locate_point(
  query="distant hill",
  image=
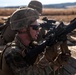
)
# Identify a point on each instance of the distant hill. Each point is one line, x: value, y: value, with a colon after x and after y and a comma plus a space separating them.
x: 61, y: 5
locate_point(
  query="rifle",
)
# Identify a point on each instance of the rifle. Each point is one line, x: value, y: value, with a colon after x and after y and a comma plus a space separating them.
x: 50, y: 40
x: 72, y: 20
x: 47, y: 23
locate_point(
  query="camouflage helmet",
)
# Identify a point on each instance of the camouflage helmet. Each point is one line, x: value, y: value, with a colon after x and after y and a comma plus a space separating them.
x: 36, y: 5
x: 23, y: 18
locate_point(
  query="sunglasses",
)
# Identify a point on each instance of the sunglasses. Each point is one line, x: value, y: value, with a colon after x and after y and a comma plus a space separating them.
x: 34, y: 27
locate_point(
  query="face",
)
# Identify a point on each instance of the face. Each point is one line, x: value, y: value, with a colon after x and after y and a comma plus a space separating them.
x: 34, y: 30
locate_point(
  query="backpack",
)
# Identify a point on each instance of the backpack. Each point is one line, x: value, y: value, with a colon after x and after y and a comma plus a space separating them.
x: 7, y: 35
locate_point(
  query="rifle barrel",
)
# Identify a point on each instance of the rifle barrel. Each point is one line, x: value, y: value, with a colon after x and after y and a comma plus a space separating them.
x: 69, y: 28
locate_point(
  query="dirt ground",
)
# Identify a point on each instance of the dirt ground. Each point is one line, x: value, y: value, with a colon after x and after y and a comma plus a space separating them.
x: 72, y: 41
x: 73, y: 51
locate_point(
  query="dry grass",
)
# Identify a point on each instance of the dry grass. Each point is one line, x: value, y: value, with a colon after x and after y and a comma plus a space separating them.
x: 64, y: 18
x: 65, y: 15
x: 68, y: 11
x: 57, y: 14
x: 6, y: 12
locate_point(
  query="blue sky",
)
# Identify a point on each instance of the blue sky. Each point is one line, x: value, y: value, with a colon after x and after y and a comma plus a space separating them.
x: 25, y: 2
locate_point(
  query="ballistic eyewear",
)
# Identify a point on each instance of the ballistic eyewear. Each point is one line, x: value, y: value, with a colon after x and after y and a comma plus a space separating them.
x: 35, y: 27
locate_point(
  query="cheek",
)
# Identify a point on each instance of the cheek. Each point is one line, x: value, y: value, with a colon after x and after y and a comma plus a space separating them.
x: 33, y: 33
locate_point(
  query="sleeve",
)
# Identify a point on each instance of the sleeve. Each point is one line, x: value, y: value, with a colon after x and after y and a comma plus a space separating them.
x: 18, y: 66
x: 16, y: 63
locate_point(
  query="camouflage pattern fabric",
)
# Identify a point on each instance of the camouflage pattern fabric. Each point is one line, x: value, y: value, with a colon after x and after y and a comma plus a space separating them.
x: 1, y: 41
x: 58, y: 54
x: 36, y: 5
x: 7, y: 35
x: 22, y: 18
x: 15, y: 60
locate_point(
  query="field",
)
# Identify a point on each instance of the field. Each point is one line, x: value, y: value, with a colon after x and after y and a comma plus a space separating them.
x: 65, y: 15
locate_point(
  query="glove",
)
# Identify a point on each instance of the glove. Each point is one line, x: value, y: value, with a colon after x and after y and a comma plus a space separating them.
x: 62, y: 38
x: 66, y: 55
x: 50, y: 41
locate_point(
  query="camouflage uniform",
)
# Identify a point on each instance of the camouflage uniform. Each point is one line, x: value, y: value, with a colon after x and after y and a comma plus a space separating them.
x: 14, y: 56
x: 15, y: 59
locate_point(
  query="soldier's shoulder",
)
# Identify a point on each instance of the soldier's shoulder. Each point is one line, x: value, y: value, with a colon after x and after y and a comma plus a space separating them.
x: 11, y: 49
